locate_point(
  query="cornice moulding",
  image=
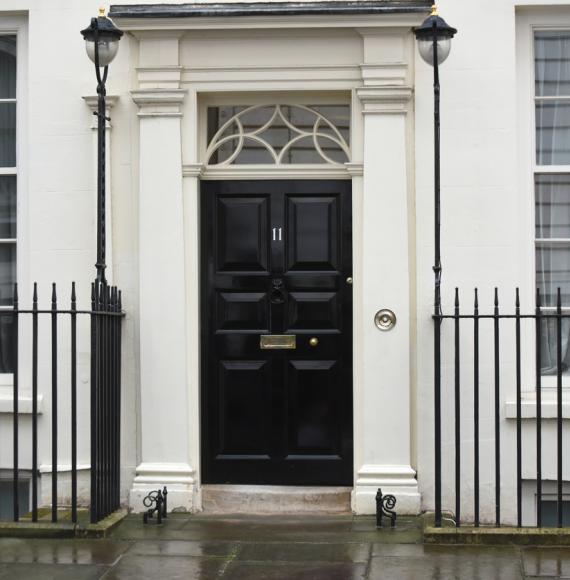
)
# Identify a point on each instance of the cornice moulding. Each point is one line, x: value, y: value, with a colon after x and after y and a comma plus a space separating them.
x: 178, y: 26
x: 159, y: 102
x: 385, y: 99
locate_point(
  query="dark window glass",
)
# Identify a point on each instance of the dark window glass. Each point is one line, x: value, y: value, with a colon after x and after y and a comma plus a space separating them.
x: 7, y: 67
x: 550, y: 513
x: 284, y: 134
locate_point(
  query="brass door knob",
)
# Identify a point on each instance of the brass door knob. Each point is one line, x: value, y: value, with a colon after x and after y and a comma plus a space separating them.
x: 314, y: 342
x: 349, y: 281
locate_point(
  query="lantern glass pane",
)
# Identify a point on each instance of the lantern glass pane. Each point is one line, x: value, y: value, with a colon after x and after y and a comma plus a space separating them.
x: 425, y: 47
x: 108, y: 49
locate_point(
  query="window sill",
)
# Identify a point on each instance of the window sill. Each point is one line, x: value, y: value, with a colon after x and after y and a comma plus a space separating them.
x: 549, y: 409
x: 24, y: 404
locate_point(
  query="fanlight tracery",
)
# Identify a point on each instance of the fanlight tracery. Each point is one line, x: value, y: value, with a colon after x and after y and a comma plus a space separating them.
x: 278, y: 134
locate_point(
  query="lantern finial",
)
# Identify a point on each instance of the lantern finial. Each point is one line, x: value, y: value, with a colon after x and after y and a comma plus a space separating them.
x: 434, y: 11
x: 102, y: 12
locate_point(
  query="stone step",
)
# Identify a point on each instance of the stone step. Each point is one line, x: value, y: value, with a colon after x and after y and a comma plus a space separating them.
x: 262, y: 499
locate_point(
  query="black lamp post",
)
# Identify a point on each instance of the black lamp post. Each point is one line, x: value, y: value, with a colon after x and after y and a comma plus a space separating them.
x: 434, y: 44
x: 102, y: 43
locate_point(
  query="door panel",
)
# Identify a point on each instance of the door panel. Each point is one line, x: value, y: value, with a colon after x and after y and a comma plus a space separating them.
x: 275, y: 259
x: 242, y: 233
x: 312, y: 225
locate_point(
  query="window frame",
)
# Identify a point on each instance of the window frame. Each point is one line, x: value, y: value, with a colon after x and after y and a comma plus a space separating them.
x: 529, y: 21
x: 16, y: 25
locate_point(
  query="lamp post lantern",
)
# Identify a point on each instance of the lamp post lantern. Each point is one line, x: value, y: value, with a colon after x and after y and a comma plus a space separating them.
x: 434, y: 44
x: 102, y: 43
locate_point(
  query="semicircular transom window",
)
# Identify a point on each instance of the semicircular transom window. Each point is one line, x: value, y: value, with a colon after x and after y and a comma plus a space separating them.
x: 278, y: 135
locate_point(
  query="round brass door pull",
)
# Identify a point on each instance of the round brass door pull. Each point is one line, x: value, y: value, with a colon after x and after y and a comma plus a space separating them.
x: 385, y: 319
x: 314, y: 342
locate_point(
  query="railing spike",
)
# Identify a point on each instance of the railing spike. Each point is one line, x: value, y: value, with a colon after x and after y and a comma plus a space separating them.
x: 496, y: 297
x: 517, y: 298
x: 456, y: 297
x: 476, y: 299
x: 73, y: 296
x: 35, y: 296
x: 15, y: 297
x: 53, y: 294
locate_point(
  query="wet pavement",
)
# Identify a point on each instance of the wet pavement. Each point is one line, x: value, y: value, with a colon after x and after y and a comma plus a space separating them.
x: 273, y: 548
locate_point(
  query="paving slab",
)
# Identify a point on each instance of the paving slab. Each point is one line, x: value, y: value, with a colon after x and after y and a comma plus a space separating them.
x: 546, y: 562
x: 304, y: 552
x: 448, y: 563
x: 50, y: 572
x: 167, y: 568
x: 81, y: 552
x: 183, y: 548
x: 295, y: 571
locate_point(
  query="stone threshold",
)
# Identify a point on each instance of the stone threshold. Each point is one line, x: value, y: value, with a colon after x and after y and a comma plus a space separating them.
x: 25, y: 528
x: 268, y: 499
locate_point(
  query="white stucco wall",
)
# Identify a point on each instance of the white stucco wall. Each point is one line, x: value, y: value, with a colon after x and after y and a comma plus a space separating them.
x: 487, y: 241
x: 486, y: 232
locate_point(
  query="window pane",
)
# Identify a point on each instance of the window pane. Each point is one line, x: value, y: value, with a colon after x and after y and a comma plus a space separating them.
x: 7, y: 67
x: 7, y: 272
x: 7, y: 206
x: 553, y: 133
x: 553, y: 271
x: 7, y: 134
x: 550, y: 519
x: 552, y: 63
x: 552, y: 206
x: 6, y: 343
x: 262, y: 133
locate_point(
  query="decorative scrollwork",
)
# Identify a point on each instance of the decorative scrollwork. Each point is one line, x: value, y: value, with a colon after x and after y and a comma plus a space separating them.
x: 155, y: 501
x: 322, y: 131
x: 385, y: 505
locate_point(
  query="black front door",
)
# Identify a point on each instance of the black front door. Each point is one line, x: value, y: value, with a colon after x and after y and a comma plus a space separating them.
x: 276, y: 268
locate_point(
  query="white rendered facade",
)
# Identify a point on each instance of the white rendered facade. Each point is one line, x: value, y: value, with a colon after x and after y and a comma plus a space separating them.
x: 167, y: 71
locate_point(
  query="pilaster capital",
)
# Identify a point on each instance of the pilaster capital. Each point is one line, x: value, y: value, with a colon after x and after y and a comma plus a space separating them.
x: 193, y: 170
x: 92, y: 102
x: 354, y: 169
x: 159, y: 102
x: 385, y: 99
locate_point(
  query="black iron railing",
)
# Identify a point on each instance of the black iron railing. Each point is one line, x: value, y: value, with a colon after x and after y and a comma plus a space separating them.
x: 105, y: 393
x: 473, y: 322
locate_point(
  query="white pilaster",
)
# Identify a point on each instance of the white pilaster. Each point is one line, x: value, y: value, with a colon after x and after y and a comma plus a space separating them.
x: 91, y: 101
x: 164, y: 405
x: 383, y: 454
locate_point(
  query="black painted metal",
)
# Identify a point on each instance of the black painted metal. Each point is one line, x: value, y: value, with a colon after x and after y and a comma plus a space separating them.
x: 155, y: 502
x: 229, y: 9
x: 476, y: 407
x: 269, y: 416
x: 457, y: 415
x: 385, y: 505
x: 437, y: 282
x: 54, y: 416
x: 497, y: 412
x: 73, y: 405
x: 105, y: 400
x: 519, y: 398
x: 106, y: 319
x: 538, y: 315
x: 559, y: 404
x: 35, y: 404
x: 499, y: 319
x: 16, y: 396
